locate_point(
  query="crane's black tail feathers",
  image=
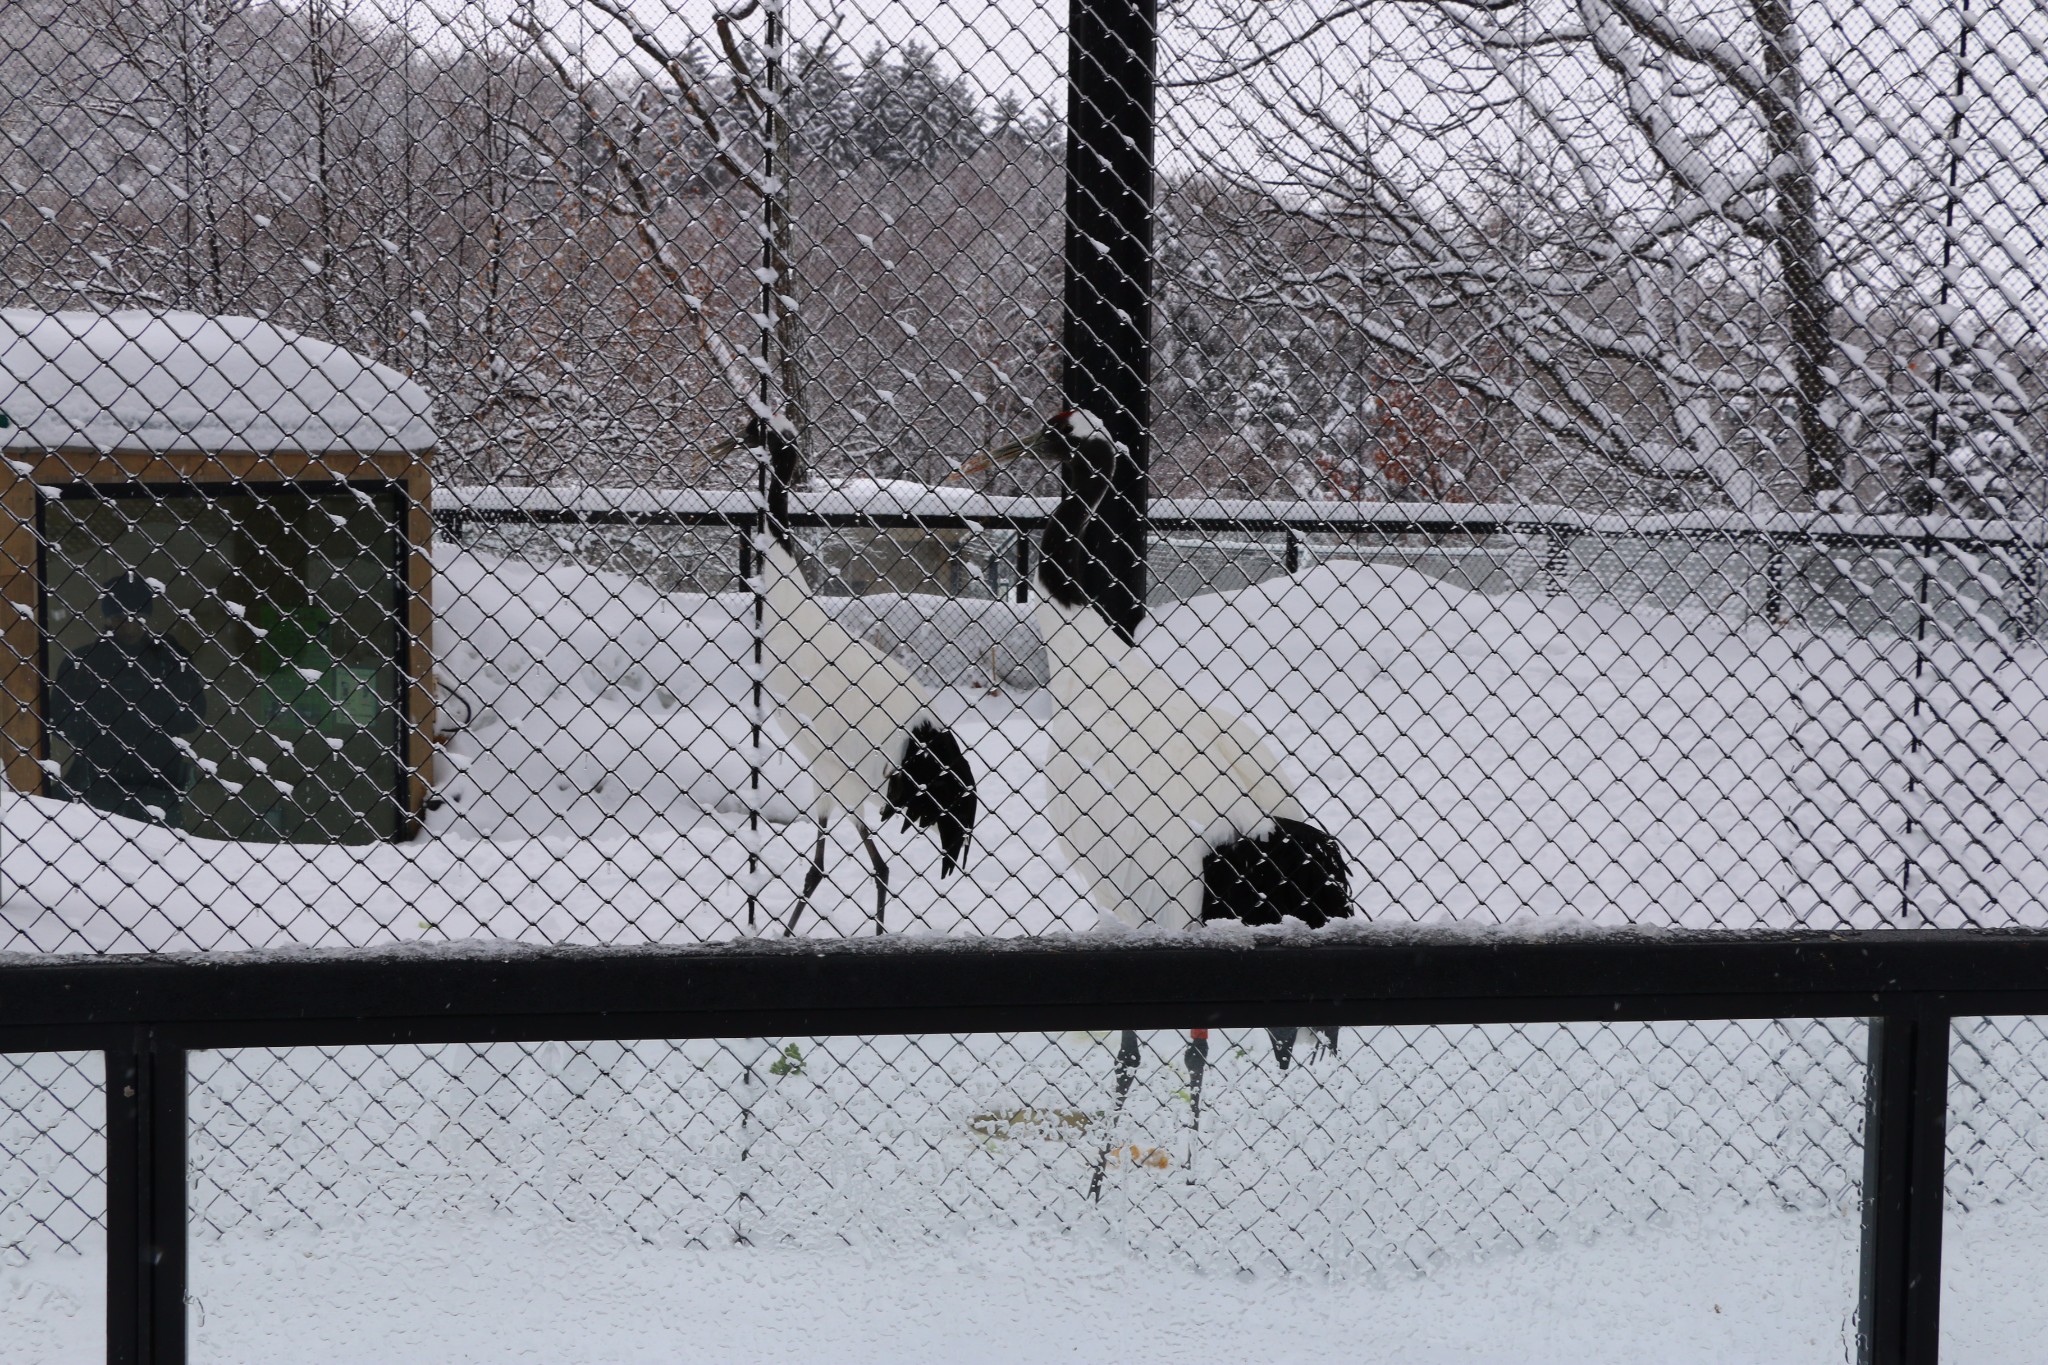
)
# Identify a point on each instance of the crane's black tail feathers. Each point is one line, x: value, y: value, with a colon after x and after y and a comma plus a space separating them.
x: 1295, y: 869
x: 934, y: 786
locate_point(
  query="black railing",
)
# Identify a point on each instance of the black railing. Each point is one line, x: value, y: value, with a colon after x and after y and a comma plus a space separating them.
x: 146, y: 1014
x: 457, y: 509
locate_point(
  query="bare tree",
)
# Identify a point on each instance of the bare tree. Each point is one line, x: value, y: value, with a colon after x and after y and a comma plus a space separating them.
x: 187, y: 90
x: 649, y: 123
x: 1662, y: 296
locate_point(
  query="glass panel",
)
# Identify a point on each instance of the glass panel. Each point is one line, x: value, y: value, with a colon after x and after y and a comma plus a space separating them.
x: 1994, y: 1249
x: 53, y: 1207
x: 263, y: 626
x: 1663, y: 1192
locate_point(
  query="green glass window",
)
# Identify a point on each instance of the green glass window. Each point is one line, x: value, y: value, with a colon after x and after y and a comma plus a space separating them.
x: 226, y: 660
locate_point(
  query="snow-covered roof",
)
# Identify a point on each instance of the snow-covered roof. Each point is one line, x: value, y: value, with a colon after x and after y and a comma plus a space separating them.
x: 167, y: 381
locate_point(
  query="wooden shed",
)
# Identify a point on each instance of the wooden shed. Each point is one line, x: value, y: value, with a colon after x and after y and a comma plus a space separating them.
x: 270, y: 493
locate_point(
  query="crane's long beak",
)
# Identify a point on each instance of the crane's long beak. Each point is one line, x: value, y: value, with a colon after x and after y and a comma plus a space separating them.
x: 989, y: 459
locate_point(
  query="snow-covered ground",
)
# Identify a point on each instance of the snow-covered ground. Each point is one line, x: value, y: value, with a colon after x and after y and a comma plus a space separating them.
x: 1765, y: 1287
x: 1483, y: 756
x: 1756, y: 1286
x: 1615, y: 1181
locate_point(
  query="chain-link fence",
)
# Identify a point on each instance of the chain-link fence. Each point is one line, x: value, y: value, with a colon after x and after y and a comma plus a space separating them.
x: 1399, y: 1152
x: 587, y: 473
x: 1365, y: 1158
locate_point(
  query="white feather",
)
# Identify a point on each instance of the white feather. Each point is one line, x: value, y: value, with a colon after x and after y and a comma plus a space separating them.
x: 1143, y: 779
x: 852, y: 705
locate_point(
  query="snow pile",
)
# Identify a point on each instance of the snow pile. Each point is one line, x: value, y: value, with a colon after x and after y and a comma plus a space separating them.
x: 596, y: 792
x: 950, y: 641
x: 176, y: 381
x: 1485, y: 756
x: 594, y: 704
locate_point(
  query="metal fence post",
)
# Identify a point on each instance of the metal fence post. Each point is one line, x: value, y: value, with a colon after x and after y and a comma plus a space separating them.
x: 2030, y: 594
x: 1904, y: 1151
x: 1107, y: 328
x: 1774, y: 583
x: 1556, y: 561
x: 146, y: 1220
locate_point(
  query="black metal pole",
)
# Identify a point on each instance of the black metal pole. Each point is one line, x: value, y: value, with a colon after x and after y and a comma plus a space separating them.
x: 1107, y: 336
x: 1774, y: 584
x: 1556, y: 560
x: 1127, y: 1061
x: 146, y: 1203
x: 1898, y: 1312
x: 2030, y: 594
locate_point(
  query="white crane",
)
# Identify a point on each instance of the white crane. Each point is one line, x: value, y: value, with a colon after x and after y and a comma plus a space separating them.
x: 864, y: 725
x: 1173, y: 810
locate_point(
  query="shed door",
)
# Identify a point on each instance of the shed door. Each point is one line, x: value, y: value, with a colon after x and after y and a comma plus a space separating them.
x: 285, y: 601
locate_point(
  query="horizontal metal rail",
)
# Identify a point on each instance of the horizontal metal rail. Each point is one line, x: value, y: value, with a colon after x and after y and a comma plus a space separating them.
x: 1386, y: 519
x: 147, y: 1013
x: 1776, y: 545
x: 473, y: 992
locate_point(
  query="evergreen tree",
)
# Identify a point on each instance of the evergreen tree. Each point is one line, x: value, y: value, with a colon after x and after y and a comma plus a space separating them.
x: 908, y: 112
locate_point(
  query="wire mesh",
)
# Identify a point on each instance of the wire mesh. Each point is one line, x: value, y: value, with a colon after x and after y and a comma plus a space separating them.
x: 1596, y: 460
x: 1992, y: 1191
x: 53, y: 1177
x: 1389, y: 1152
x: 53, y: 1205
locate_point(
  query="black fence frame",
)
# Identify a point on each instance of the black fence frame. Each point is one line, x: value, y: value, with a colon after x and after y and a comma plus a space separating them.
x: 147, y: 1013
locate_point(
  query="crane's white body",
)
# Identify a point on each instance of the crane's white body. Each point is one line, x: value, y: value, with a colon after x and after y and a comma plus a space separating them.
x: 852, y: 706
x: 1143, y: 779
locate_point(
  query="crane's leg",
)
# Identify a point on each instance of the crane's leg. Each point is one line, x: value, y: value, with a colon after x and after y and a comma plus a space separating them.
x: 1126, y: 1068
x: 811, y: 881
x: 1326, y: 1041
x: 867, y: 841
x: 1197, y: 1059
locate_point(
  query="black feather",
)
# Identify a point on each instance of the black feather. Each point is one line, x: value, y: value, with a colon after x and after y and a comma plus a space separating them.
x: 1296, y: 869
x: 1080, y: 545
x: 934, y: 787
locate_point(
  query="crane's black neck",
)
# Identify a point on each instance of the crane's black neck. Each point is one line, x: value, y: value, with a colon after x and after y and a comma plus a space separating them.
x: 785, y: 464
x: 1081, y: 543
